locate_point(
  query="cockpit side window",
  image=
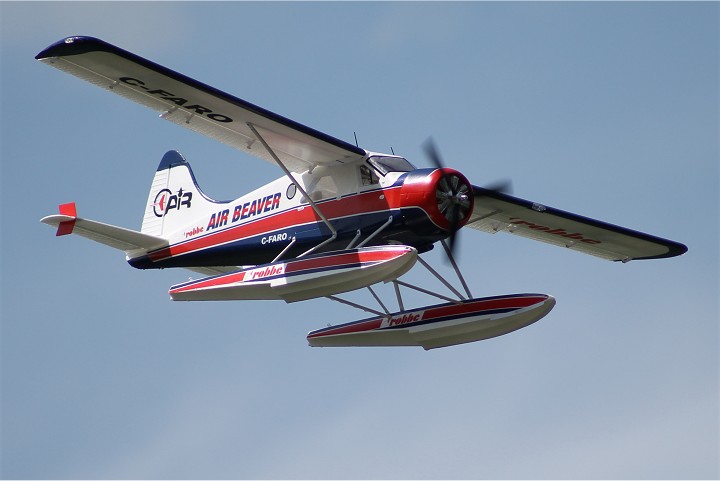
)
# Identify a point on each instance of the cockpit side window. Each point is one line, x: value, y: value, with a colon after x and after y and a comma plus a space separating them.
x: 368, y: 176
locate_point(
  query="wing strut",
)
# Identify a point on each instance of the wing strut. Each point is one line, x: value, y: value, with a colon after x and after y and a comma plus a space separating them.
x: 300, y: 188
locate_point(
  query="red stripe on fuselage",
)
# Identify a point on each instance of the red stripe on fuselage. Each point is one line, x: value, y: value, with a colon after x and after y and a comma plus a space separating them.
x: 364, y: 203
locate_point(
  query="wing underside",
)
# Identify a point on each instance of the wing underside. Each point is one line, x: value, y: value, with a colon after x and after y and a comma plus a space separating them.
x: 197, y: 106
x: 498, y: 212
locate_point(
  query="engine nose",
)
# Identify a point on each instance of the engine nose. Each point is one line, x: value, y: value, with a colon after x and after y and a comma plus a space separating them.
x: 445, y: 195
x: 454, y: 198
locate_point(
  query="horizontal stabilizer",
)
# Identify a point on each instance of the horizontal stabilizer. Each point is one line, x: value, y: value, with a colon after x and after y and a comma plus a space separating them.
x: 126, y: 240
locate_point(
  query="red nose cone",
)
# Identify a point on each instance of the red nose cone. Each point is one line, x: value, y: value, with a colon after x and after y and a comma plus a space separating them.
x: 445, y: 195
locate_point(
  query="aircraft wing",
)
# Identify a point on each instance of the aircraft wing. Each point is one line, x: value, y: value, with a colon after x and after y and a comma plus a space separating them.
x: 498, y: 212
x: 197, y: 106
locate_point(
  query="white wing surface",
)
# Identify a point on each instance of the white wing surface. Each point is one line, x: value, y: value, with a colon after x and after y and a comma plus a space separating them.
x: 498, y: 212
x: 197, y: 106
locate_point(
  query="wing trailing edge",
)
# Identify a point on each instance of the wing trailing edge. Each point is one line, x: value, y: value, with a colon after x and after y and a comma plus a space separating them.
x: 498, y: 212
x: 197, y: 106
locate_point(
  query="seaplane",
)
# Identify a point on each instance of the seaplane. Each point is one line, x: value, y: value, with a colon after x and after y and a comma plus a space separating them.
x: 339, y: 219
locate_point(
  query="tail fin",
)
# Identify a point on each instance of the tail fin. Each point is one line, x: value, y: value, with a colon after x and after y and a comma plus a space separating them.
x: 175, y: 198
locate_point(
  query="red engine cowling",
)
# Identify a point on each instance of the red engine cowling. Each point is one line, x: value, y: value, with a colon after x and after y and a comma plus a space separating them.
x: 445, y: 195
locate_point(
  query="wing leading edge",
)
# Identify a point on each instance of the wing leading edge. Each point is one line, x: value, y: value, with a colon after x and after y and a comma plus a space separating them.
x: 498, y: 212
x: 197, y: 106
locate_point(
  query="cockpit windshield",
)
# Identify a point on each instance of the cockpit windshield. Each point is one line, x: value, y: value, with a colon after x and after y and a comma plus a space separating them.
x: 385, y: 165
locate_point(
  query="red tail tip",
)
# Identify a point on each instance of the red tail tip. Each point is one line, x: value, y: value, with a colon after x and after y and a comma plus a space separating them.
x: 68, y: 209
x: 67, y: 227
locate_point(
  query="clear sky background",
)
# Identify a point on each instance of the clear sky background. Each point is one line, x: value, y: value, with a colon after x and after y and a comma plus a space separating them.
x: 606, y: 110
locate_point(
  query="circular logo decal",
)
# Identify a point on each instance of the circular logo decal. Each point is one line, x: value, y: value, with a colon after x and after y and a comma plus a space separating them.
x: 161, y: 202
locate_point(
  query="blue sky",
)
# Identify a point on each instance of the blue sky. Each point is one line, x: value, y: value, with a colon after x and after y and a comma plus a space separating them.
x: 607, y: 110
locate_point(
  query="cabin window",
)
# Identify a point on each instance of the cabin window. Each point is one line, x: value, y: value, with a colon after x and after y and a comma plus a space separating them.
x: 321, y: 188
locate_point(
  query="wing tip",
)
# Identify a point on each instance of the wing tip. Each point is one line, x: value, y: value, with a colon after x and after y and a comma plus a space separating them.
x: 674, y: 249
x: 71, y: 46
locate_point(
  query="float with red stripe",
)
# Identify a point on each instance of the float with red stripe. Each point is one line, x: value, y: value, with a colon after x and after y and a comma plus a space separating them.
x: 440, y: 325
x: 304, y: 278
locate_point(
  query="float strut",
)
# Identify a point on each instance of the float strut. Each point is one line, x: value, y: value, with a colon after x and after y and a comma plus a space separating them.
x: 457, y: 270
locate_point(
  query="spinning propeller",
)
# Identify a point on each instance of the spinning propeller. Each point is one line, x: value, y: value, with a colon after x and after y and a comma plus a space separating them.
x: 454, y: 194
